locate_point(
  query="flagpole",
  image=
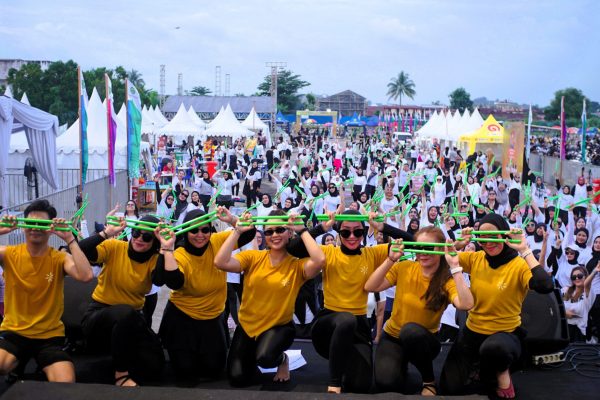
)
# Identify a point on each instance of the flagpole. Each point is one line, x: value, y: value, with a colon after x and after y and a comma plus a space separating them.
x: 127, y: 133
x: 563, y: 136
x: 80, y: 128
x: 106, y: 77
x: 583, y: 133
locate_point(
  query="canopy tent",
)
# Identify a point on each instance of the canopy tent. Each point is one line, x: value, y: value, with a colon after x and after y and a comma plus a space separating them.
x: 159, y: 117
x: 41, y: 130
x: 254, y: 123
x: 491, y: 132
x: 181, y: 126
x: 280, y: 119
x: 217, y: 118
x: 196, y: 119
x: 227, y: 125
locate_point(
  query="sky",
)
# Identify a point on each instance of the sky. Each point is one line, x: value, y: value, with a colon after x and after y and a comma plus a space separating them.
x: 519, y: 50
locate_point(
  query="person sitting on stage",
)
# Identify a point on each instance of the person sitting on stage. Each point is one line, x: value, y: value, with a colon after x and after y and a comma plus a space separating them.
x: 272, y: 279
x: 424, y: 288
x: 34, y: 275
x: 192, y: 328
x: 341, y: 331
x: 114, y: 319
x: 491, y: 339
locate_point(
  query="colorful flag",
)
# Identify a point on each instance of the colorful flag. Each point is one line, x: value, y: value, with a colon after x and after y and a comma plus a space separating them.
x: 563, y: 130
x: 111, y: 130
x: 134, y: 129
x: 528, y: 136
x: 83, y: 122
x: 583, y: 133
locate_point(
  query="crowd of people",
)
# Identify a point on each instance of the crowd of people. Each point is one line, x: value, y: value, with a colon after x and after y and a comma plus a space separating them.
x: 550, y: 146
x: 439, y: 235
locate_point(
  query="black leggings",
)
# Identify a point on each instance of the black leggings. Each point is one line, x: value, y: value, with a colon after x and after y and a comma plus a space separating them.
x: 197, y: 348
x: 345, y: 340
x: 473, y: 352
x: 266, y: 351
x: 123, y: 331
x: 415, y: 345
x: 149, y: 307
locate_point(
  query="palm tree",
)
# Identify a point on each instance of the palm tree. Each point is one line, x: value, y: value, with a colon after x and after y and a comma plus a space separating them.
x: 136, y: 79
x: 402, y: 85
x: 200, y: 91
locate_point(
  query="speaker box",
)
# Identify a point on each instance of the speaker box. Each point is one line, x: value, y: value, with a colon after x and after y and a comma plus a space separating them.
x: 543, y: 317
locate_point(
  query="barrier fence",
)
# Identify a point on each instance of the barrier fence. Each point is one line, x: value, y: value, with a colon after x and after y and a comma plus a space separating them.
x: 102, y: 198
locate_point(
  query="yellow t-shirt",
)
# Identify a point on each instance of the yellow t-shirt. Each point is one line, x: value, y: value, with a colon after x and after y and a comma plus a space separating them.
x: 498, y: 293
x: 270, y: 291
x: 204, y: 291
x: 344, y: 277
x: 409, y: 303
x: 33, y: 293
x: 122, y: 280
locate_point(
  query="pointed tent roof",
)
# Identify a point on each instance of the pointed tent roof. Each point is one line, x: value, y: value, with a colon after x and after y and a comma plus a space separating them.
x: 158, y: 116
x: 8, y: 92
x: 195, y: 118
x: 227, y: 125
x: 25, y: 99
x: 252, y: 121
x: 218, y: 117
x: 181, y: 125
x: 490, y: 132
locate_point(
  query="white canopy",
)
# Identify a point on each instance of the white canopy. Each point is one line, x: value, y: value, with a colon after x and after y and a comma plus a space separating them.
x: 41, y: 130
x: 181, y: 126
x: 159, y: 117
x: 227, y: 125
x: 254, y: 123
x: 195, y: 118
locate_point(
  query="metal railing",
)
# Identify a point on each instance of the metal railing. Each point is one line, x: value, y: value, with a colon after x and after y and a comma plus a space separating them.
x: 101, y: 196
x: 21, y: 192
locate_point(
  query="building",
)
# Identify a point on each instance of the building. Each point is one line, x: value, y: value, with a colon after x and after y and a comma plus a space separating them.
x: 207, y: 107
x: 391, y: 112
x: 6, y: 65
x: 347, y: 103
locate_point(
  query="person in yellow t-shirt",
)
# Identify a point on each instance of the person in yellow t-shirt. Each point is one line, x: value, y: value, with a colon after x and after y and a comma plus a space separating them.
x: 272, y: 279
x: 192, y: 329
x: 341, y: 332
x: 491, y: 339
x: 424, y: 288
x: 114, y: 320
x: 34, y: 275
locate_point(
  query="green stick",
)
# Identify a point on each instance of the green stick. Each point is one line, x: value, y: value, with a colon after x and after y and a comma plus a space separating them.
x: 428, y: 244
x: 492, y: 240
x: 434, y: 252
x: 42, y: 221
x: 214, y: 198
x: 247, y: 210
x: 493, y: 232
x: 280, y: 223
x: 197, y: 220
x: 132, y: 226
x: 38, y: 227
x: 134, y: 221
x: 189, y: 228
x: 258, y: 217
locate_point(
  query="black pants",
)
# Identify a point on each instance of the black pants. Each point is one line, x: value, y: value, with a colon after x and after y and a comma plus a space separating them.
x: 266, y: 350
x: 369, y: 190
x: 234, y: 295
x: 474, y: 352
x: 345, y: 340
x: 415, y: 345
x: 197, y: 348
x: 122, y: 330
x: 149, y: 307
x: 205, y: 199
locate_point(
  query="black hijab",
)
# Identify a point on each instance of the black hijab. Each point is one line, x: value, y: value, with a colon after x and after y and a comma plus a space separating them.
x: 587, y: 233
x: 186, y: 244
x: 507, y: 253
x: 145, y: 256
x: 338, y: 226
x: 270, y: 203
x: 594, y: 260
x: 538, y: 238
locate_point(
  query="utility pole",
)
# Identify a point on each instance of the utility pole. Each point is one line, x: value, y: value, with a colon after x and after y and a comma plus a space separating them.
x: 227, y: 76
x: 162, y: 85
x: 180, y: 84
x: 275, y: 67
x: 218, y: 80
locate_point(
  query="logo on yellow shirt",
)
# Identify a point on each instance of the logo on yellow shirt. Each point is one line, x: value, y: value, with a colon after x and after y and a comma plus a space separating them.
x: 364, y: 269
x: 50, y: 277
x: 285, y: 282
x: 502, y: 285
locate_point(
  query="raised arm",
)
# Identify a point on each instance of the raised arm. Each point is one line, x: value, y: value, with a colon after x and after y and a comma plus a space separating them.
x: 587, y: 284
x: 464, y: 299
x: 377, y: 281
x: 315, y: 263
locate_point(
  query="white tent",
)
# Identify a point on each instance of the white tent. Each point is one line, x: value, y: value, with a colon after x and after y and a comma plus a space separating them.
x: 227, y: 125
x: 41, y: 130
x: 425, y: 130
x: 217, y: 118
x: 254, y: 123
x: 462, y: 127
x: 181, y: 126
x: 159, y: 117
x: 196, y: 119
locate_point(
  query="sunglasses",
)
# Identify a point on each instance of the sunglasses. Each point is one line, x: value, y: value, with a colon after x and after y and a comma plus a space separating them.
x: 204, y: 229
x: 279, y: 230
x: 130, y: 205
x: 185, y: 194
x: 358, y: 233
x: 146, y: 236
x: 575, y: 277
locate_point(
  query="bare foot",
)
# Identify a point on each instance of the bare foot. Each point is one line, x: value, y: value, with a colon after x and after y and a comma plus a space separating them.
x: 123, y: 379
x: 334, y: 389
x: 283, y: 371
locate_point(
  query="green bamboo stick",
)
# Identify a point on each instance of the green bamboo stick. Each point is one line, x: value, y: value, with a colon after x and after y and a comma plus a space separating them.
x: 42, y: 221
x: 258, y: 217
x: 135, y: 221
x: 132, y: 226
x: 492, y: 240
x: 494, y: 232
x: 247, y: 210
x: 214, y: 198
x: 196, y: 220
x: 38, y: 227
x: 280, y: 223
x: 434, y: 252
x: 189, y: 228
x: 428, y: 244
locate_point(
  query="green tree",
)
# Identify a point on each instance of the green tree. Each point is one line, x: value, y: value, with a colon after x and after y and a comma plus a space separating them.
x: 199, y: 91
x: 239, y: 95
x: 460, y: 100
x: 400, y: 86
x: 573, y: 104
x: 28, y: 80
x: 311, y: 102
x: 288, y: 85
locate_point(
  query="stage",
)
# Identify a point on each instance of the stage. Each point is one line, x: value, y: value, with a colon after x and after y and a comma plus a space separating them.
x: 308, y: 382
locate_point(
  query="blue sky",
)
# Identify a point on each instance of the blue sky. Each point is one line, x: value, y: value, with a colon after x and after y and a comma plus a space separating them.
x: 518, y: 50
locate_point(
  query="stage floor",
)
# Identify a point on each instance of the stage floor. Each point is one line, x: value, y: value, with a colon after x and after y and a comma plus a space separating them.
x: 564, y: 382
